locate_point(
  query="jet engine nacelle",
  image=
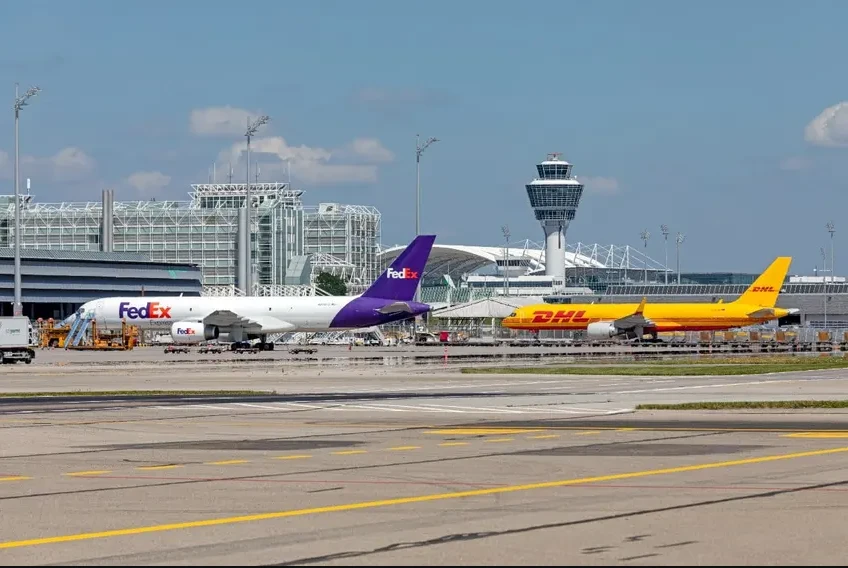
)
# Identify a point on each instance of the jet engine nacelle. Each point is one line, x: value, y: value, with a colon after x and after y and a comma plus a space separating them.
x: 601, y: 330
x: 193, y: 332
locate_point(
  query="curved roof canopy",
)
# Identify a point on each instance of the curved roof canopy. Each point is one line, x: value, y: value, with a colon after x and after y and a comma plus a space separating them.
x: 458, y: 260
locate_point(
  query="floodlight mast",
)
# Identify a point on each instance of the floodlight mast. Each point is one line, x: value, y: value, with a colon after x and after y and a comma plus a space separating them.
x: 20, y: 102
x: 664, y: 229
x: 505, y: 230
x: 251, y: 130
x: 831, y: 229
x: 419, y: 149
x: 645, y: 235
x: 680, y: 238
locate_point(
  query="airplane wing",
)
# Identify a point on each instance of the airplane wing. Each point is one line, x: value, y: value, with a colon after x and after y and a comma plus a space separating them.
x: 634, y: 320
x: 395, y: 307
x: 228, y: 318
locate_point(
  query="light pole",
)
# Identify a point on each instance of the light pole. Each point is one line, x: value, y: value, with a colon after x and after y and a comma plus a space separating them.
x: 679, y: 239
x: 824, y: 301
x: 419, y: 149
x: 251, y: 130
x: 831, y: 230
x: 505, y: 230
x: 20, y: 102
x: 664, y: 229
x: 645, y: 236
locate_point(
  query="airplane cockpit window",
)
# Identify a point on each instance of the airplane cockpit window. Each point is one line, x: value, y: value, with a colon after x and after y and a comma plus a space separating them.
x: 513, y: 314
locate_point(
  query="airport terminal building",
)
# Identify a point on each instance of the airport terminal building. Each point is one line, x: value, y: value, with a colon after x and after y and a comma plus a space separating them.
x: 54, y: 283
x: 290, y: 242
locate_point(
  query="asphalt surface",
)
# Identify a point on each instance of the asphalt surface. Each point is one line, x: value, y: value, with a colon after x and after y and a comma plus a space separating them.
x: 411, y: 466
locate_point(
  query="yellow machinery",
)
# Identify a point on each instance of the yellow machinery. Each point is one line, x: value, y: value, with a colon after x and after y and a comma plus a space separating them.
x: 51, y: 335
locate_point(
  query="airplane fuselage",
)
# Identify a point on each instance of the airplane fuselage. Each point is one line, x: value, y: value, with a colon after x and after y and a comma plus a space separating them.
x: 296, y: 313
x: 664, y: 317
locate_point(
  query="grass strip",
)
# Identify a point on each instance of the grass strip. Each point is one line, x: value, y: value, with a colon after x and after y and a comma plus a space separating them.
x: 669, y: 370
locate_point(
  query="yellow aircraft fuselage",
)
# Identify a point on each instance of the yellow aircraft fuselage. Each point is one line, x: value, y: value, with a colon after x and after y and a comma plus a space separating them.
x: 755, y: 306
x: 665, y: 317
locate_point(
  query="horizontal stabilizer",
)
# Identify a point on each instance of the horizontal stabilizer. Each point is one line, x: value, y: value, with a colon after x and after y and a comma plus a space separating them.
x: 770, y: 312
x: 395, y: 307
x: 762, y: 313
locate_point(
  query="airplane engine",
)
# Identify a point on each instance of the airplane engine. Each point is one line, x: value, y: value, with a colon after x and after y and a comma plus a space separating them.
x: 193, y: 332
x: 601, y: 330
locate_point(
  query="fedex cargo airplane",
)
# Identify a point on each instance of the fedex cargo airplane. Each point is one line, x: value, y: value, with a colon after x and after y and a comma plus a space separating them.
x: 242, y: 318
x: 632, y: 321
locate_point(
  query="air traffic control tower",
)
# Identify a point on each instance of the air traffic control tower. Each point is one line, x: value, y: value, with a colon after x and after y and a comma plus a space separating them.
x: 554, y: 196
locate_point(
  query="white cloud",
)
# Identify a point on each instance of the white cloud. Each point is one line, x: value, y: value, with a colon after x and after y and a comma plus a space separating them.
x: 313, y: 164
x: 369, y: 150
x: 354, y: 162
x: 601, y: 185
x: 221, y: 120
x: 68, y: 164
x: 148, y: 182
x: 794, y: 163
x: 830, y: 127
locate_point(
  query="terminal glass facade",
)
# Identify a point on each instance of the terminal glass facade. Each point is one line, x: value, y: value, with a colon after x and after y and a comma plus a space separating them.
x: 205, y: 231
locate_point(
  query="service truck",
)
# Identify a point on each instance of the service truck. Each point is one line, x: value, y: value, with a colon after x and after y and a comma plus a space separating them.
x: 16, y: 340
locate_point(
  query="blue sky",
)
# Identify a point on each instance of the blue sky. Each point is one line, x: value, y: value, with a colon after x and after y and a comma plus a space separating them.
x: 700, y: 116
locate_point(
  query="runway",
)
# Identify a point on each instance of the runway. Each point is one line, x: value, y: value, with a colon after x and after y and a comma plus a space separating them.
x: 415, y: 467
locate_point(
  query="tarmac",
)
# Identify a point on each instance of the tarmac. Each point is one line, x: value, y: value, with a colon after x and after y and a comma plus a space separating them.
x: 415, y: 465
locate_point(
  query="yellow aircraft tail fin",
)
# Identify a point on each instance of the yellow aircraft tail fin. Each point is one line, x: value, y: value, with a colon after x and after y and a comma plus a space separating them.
x: 765, y: 289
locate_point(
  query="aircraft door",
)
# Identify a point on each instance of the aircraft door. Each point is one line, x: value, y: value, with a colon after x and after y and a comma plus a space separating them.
x: 100, y: 314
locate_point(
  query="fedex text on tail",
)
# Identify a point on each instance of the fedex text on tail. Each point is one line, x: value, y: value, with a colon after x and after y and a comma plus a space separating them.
x: 401, y: 279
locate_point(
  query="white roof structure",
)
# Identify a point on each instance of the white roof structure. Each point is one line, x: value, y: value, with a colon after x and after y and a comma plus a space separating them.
x: 484, y: 308
x: 459, y: 260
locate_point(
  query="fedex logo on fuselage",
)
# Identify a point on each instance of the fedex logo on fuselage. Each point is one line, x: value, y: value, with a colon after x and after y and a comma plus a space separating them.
x: 402, y: 274
x: 150, y: 310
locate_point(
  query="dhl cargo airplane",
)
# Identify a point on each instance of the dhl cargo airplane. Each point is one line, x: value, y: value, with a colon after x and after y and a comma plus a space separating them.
x: 632, y: 321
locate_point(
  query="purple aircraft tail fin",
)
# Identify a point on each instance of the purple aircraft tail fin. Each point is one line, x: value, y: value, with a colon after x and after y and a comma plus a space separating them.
x: 401, y: 279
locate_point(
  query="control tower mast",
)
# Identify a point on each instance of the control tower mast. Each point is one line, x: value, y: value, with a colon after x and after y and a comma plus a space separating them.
x: 554, y: 196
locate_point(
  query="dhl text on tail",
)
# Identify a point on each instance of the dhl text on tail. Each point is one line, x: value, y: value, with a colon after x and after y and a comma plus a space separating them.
x: 604, y: 321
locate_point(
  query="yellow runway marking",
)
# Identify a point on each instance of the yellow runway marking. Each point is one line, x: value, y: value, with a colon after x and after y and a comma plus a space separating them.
x: 14, y: 478
x: 490, y: 440
x: 92, y: 472
x: 486, y: 431
x: 409, y: 500
x: 588, y: 433
x: 833, y: 434
x: 454, y: 444
x: 544, y: 436
x: 147, y: 467
x: 350, y: 452
x: 403, y: 448
x: 293, y: 457
x: 227, y: 462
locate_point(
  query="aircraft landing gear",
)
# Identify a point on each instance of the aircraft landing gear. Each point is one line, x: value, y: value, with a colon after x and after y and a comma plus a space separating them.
x: 263, y: 344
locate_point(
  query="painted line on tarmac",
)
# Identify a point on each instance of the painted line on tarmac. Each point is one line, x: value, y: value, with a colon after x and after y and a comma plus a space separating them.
x: 832, y: 434
x: 409, y: 500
